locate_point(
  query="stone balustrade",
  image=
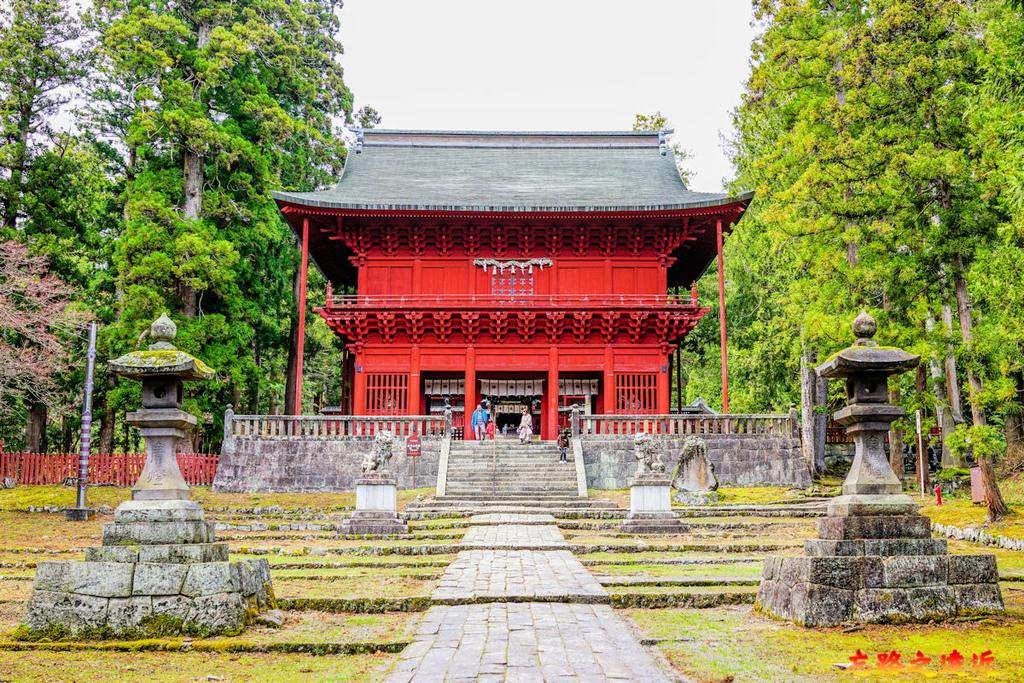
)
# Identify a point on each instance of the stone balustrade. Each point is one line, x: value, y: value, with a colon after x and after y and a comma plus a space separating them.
x: 329, y: 426
x: 674, y: 424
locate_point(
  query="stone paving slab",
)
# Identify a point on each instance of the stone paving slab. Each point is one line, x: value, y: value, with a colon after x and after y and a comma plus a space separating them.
x: 515, y: 536
x: 506, y: 518
x: 498, y: 575
x: 524, y: 642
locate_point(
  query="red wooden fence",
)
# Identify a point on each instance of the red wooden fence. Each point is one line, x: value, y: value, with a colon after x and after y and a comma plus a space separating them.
x: 119, y: 469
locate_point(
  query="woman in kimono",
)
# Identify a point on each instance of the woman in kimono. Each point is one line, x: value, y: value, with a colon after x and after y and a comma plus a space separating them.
x: 525, y: 426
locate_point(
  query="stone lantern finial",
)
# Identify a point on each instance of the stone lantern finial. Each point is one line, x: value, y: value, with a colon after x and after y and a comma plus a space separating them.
x: 163, y: 331
x: 864, y: 328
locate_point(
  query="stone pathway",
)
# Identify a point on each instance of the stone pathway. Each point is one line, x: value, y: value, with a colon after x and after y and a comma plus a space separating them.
x: 495, y: 575
x: 509, y: 518
x: 562, y: 636
x: 519, y: 536
x: 525, y: 642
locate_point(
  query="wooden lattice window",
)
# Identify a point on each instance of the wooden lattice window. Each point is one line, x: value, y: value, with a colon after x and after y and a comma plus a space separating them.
x: 636, y: 393
x: 387, y: 393
x: 511, y: 287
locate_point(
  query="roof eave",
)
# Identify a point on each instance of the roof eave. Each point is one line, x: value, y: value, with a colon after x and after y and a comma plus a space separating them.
x: 293, y: 199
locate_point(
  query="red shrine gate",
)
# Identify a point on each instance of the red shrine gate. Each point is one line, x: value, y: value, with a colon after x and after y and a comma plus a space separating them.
x: 532, y: 269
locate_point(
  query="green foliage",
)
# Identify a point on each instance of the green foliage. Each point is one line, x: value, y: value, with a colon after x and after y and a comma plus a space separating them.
x: 881, y: 139
x: 368, y: 117
x: 984, y: 441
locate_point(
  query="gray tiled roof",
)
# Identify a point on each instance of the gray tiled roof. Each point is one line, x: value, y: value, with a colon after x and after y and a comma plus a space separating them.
x: 508, y: 172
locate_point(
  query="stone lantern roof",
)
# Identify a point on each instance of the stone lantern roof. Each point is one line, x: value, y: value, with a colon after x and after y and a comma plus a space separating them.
x: 162, y: 359
x: 866, y: 356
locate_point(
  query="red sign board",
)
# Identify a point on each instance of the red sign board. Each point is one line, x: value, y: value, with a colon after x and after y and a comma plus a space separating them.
x: 412, y: 446
x: 977, y: 488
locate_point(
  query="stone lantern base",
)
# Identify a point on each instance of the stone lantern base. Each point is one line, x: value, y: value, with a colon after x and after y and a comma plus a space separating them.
x: 877, y: 569
x: 650, y: 507
x: 376, y: 510
x: 159, y: 572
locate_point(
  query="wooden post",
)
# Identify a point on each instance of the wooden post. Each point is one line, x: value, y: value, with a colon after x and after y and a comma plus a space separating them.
x: 549, y: 429
x: 302, y: 317
x: 679, y: 379
x: 609, y: 381
x: 663, y: 382
x: 721, y: 316
x: 467, y: 414
x: 414, y: 380
x: 671, y: 373
x: 359, y: 385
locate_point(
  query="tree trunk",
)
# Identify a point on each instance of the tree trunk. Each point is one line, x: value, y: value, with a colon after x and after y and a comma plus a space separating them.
x: 193, y: 172
x: 1015, y: 415
x: 37, y: 428
x: 813, y: 422
x: 963, y: 307
x: 291, y: 378
x: 997, y: 508
x: 895, y: 435
x: 935, y: 367
x: 194, y: 179
x: 106, y: 438
x: 17, y: 163
x: 952, y: 381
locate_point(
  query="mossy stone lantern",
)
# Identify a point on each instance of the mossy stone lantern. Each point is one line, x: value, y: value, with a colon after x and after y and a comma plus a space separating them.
x: 874, y: 560
x: 871, y: 488
x: 162, y: 370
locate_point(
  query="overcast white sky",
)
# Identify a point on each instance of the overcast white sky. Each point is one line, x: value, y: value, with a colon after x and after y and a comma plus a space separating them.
x: 553, y: 65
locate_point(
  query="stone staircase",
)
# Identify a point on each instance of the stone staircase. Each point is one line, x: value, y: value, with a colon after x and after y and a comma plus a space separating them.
x: 505, y: 473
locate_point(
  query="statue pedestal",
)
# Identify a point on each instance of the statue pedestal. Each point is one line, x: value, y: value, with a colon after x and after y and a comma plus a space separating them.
x: 376, y: 507
x: 158, y: 573
x: 650, y: 507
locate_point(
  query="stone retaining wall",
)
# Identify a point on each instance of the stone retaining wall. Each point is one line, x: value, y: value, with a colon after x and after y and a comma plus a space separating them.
x: 739, y: 459
x: 312, y: 465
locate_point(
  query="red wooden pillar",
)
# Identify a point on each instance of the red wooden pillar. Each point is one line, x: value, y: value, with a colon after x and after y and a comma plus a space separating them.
x: 359, y: 385
x: 664, y: 381
x: 414, y: 380
x: 721, y: 319
x: 471, y: 398
x: 609, y: 381
x: 297, y: 408
x: 550, y: 427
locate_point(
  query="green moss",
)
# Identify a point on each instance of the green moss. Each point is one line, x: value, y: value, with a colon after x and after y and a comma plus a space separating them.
x: 159, y: 359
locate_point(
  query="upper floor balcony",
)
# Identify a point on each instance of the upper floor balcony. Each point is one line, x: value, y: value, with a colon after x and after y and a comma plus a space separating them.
x: 504, y: 318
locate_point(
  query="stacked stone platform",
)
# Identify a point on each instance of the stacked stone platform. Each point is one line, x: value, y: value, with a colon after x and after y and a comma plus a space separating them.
x: 877, y: 569
x: 158, y: 572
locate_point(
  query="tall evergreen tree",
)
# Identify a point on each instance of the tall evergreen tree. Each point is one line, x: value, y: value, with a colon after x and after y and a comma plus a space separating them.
x: 229, y: 100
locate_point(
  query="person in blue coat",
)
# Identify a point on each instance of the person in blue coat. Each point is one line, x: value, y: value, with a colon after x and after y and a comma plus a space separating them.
x: 479, y: 421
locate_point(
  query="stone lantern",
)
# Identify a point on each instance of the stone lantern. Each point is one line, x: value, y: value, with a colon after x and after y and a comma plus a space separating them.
x: 162, y: 370
x: 874, y: 559
x: 159, y: 571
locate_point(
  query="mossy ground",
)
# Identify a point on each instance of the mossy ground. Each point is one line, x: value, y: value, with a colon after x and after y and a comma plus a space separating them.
x: 89, y: 667
x: 707, y: 644
x: 734, y: 643
x: 22, y: 497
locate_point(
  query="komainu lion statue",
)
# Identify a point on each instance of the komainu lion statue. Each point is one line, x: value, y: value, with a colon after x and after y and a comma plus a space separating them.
x: 648, y: 460
x: 378, y: 458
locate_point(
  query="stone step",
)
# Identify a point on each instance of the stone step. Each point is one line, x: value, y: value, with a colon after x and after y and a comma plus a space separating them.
x: 511, y: 500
